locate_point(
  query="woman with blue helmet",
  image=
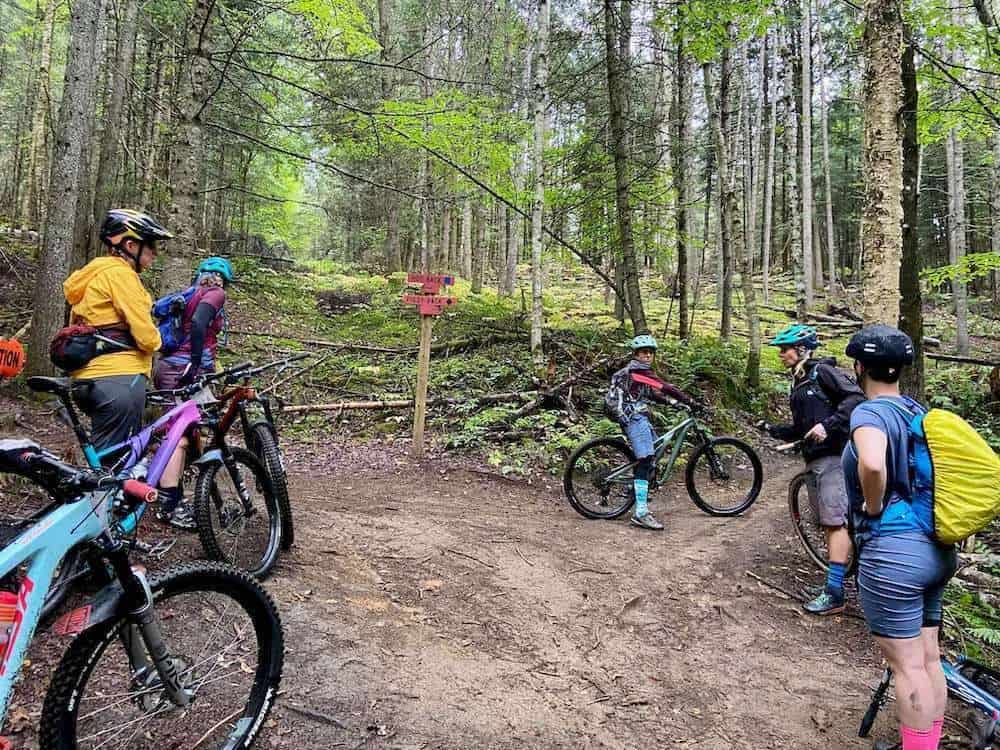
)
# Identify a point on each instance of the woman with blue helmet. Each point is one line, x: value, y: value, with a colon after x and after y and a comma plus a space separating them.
x: 201, y: 323
x: 821, y: 400
x: 632, y: 390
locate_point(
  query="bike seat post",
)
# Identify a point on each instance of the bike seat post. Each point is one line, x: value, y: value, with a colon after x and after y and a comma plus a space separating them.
x: 82, y: 436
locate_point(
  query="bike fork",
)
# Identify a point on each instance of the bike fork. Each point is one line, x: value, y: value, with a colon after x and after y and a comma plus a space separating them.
x: 241, y: 488
x: 143, y: 638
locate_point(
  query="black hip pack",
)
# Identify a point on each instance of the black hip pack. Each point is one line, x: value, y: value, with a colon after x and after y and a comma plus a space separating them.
x: 75, y: 346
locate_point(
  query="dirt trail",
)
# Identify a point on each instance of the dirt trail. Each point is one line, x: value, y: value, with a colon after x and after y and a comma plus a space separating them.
x: 433, y: 605
x: 430, y: 606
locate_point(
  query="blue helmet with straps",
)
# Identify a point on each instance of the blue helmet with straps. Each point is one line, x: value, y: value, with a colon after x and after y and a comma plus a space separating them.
x: 796, y: 335
x: 643, y: 341
x: 218, y: 265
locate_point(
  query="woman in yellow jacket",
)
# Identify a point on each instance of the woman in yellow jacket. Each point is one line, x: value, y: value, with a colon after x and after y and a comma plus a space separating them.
x: 107, y: 293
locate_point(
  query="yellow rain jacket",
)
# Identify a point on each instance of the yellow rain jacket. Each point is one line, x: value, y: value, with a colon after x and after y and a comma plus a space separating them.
x: 106, y: 292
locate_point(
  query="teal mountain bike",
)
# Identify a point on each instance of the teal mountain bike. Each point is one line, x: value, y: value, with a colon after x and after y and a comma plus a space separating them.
x: 189, y: 658
x: 723, y: 475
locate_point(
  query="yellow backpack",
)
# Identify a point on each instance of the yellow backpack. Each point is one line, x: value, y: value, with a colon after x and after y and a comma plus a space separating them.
x: 952, y: 463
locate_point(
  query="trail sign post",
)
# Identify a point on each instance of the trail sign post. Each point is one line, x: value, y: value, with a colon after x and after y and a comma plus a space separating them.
x: 429, y: 303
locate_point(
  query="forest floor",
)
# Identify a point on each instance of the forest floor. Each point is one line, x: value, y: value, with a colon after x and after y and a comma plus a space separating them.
x: 436, y: 604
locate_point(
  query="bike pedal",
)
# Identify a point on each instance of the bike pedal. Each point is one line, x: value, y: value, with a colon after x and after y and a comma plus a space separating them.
x: 157, y: 549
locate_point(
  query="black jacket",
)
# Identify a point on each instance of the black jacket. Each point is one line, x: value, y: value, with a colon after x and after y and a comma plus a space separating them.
x: 822, y: 393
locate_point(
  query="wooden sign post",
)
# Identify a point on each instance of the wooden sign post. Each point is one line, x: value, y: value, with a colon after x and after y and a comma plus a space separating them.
x: 429, y: 304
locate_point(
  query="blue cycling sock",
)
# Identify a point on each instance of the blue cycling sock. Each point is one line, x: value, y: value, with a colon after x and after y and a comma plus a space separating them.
x: 641, y: 496
x: 835, y: 577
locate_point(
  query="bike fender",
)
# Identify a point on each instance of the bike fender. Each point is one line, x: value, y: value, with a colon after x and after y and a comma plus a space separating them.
x: 213, y: 456
x: 105, y: 605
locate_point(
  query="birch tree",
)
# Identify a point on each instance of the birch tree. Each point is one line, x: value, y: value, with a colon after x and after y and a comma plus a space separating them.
x: 882, y: 164
x: 538, y: 174
x: 824, y: 126
x: 808, y: 261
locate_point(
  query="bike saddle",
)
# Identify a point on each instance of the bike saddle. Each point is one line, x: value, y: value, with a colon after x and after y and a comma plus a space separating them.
x: 58, y: 386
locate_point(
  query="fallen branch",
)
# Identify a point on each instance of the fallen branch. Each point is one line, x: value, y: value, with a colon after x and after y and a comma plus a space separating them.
x: 458, y: 345
x: 470, y: 557
x: 406, y: 403
x: 590, y: 570
x: 962, y: 360
x: 775, y: 587
x: 546, y: 393
x: 316, y: 715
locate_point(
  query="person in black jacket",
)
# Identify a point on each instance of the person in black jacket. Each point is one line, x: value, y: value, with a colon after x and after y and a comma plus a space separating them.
x: 822, y: 399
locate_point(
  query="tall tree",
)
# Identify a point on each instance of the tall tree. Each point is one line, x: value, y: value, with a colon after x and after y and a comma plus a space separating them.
x: 808, y: 262
x: 911, y: 316
x: 37, y: 152
x: 67, y: 164
x: 717, y: 104
x: 617, y: 42
x: 541, y: 64
x: 957, y: 243
x: 186, y: 153
x: 882, y: 163
x: 681, y: 144
x: 793, y: 224
x: 113, y: 133
x: 770, y: 103
x: 824, y: 126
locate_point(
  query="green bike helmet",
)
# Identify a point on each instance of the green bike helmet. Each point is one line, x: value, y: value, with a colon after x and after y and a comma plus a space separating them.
x: 643, y: 341
x: 218, y: 265
x: 796, y: 335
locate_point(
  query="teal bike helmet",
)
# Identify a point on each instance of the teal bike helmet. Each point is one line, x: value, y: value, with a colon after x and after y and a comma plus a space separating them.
x: 643, y: 341
x: 796, y: 335
x: 218, y: 265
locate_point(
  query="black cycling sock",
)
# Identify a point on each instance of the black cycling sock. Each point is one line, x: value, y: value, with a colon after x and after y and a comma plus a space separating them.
x: 170, y: 498
x: 643, y: 468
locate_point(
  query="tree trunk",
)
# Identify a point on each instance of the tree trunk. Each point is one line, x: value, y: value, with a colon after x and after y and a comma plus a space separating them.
x: 444, y: 261
x: 467, y: 239
x: 911, y: 317
x: 995, y: 213
x: 513, y: 242
x: 67, y: 165
x: 718, y: 117
x: 155, y: 114
x: 955, y: 158
x: 807, y: 192
x: 479, y: 248
x: 681, y: 145
x: 538, y: 174
x: 617, y: 93
x: 770, y: 93
x: 186, y: 154
x: 37, y: 151
x: 107, y: 169
x: 794, y: 223
x: 882, y: 225
x: 824, y: 125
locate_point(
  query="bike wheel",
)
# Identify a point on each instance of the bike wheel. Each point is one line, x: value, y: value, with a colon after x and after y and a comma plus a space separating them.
x: 878, y: 700
x: 724, y: 476
x: 224, y: 636
x: 264, y: 444
x: 805, y: 520
x: 586, y: 479
x: 248, y: 538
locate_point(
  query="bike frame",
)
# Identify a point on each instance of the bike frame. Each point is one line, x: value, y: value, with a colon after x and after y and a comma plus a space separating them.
x: 968, y: 692
x: 41, y: 547
x: 675, y: 434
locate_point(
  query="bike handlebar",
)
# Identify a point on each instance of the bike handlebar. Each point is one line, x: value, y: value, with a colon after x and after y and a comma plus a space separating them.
x: 75, y: 480
x: 230, y: 375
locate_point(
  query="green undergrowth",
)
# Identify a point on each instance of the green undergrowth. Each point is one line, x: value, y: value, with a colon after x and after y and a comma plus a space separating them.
x: 581, y: 332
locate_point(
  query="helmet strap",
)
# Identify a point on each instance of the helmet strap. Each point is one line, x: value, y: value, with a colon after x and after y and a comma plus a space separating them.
x: 136, y: 259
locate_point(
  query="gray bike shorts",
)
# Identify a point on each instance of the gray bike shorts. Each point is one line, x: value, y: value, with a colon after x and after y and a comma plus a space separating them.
x: 901, y: 580
x: 115, y: 405
x: 827, y: 491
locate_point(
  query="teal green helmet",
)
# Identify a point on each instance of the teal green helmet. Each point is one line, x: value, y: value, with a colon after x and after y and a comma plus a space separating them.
x: 643, y: 341
x: 797, y: 335
x: 218, y: 265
